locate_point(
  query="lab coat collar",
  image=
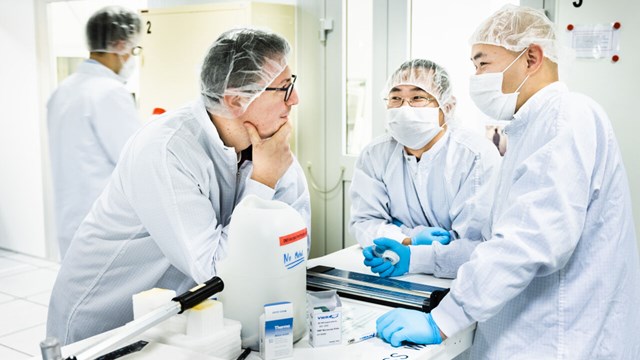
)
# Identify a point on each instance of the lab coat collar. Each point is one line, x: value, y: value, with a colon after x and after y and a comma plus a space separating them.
x: 435, y: 149
x: 200, y: 112
x: 92, y: 67
x: 530, y: 109
x: 202, y: 116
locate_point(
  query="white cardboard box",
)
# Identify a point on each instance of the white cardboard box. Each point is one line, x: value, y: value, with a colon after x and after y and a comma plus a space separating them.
x: 276, y: 331
x: 325, y: 324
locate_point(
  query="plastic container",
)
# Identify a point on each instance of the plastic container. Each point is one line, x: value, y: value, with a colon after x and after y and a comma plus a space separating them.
x: 266, y: 263
x: 224, y: 343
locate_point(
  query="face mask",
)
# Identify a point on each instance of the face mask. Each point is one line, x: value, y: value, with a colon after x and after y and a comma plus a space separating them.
x: 486, y: 92
x: 413, y: 127
x: 128, y: 68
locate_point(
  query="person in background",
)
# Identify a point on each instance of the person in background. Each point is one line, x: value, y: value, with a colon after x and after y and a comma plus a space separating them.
x: 422, y: 183
x: 163, y: 219
x: 558, y: 276
x: 90, y: 117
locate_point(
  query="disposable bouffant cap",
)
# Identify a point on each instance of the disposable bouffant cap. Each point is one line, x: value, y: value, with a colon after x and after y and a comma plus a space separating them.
x: 517, y: 27
x: 429, y: 77
x: 113, y: 29
x: 241, y: 62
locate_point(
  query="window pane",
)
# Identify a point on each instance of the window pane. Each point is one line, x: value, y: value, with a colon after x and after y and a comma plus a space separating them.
x: 359, y: 49
x: 440, y: 32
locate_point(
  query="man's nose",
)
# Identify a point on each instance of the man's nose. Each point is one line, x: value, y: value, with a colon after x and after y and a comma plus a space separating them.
x: 293, y: 99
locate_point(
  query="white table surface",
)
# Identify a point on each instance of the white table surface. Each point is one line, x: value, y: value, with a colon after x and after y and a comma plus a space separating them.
x: 347, y: 259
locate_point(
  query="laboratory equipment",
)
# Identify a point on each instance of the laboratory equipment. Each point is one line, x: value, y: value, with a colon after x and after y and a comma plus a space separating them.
x: 360, y: 338
x: 265, y: 263
x: 50, y: 348
x: 374, y: 289
x: 178, y: 305
x: 388, y: 255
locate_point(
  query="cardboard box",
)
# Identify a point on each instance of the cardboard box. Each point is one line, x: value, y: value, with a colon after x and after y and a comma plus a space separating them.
x: 276, y: 331
x: 324, y: 311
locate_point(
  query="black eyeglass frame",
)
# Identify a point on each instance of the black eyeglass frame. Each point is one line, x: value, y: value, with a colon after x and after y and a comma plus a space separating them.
x: 287, y: 89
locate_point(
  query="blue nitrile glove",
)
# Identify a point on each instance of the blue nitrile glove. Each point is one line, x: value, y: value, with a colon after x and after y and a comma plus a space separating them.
x: 373, y: 261
x: 385, y: 268
x: 431, y: 235
x: 414, y: 326
x: 396, y: 222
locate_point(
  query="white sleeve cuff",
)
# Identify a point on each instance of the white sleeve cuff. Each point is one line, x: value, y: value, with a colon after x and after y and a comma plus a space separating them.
x: 450, y: 317
x: 422, y: 259
x: 390, y: 231
x: 259, y: 189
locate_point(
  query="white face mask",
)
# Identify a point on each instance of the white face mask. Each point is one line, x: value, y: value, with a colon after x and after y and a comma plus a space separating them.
x: 486, y: 92
x: 128, y: 68
x: 413, y: 127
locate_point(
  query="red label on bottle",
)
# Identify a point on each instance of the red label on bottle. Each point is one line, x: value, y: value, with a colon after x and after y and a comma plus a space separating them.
x: 293, y: 237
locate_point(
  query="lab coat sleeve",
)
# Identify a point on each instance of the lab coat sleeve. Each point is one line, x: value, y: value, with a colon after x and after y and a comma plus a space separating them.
x: 440, y: 260
x: 471, y: 204
x: 536, y: 232
x: 170, y: 196
x: 115, y: 120
x: 370, y: 218
x: 469, y: 213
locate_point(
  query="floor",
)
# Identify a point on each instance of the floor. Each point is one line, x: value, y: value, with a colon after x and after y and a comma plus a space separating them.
x: 25, y: 288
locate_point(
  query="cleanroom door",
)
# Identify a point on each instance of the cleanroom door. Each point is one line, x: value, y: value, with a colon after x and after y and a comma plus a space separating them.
x: 360, y: 49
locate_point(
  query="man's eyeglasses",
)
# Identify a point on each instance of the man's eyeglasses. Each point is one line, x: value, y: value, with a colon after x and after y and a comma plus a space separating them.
x: 416, y: 101
x: 136, y: 50
x: 287, y: 89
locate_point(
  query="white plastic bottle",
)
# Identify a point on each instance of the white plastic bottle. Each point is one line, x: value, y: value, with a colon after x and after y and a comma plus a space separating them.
x: 266, y: 263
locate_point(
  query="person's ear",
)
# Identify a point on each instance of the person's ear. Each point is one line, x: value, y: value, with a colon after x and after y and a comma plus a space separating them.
x: 120, y: 46
x: 534, y: 57
x: 234, y: 104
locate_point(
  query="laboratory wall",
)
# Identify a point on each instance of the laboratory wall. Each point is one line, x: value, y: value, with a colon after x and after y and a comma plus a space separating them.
x: 23, y: 223
x: 612, y: 84
x: 26, y: 206
x: 26, y: 216
x: 168, y: 3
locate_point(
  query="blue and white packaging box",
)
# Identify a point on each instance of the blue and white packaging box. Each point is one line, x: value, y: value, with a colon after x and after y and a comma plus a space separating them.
x: 324, y: 311
x: 276, y: 331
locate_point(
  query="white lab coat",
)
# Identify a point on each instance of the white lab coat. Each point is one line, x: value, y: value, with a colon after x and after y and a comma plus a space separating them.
x: 452, y: 187
x: 90, y: 117
x: 162, y: 221
x: 559, y: 276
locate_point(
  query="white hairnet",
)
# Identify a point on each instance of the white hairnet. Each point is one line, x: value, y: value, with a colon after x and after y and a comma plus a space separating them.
x: 517, y: 27
x: 241, y: 62
x: 113, y: 29
x: 429, y: 77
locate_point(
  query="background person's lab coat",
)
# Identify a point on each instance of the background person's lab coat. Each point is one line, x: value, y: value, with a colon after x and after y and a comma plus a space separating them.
x: 452, y: 186
x: 558, y: 277
x: 90, y: 117
x: 162, y: 221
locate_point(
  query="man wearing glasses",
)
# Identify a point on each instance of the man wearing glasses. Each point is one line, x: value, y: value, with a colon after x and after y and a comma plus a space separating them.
x: 90, y: 117
x: 422, y: 190
x: 163, y: 219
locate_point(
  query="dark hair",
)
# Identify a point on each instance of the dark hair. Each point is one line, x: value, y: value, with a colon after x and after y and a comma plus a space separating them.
x: 111, y: 24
